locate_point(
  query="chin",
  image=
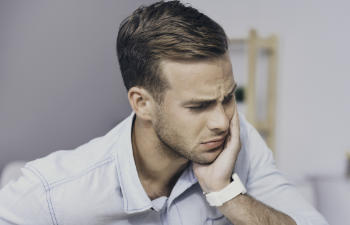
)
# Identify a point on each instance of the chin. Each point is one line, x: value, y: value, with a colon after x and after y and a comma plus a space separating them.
x: 210, y: 156
x: 205, y: 160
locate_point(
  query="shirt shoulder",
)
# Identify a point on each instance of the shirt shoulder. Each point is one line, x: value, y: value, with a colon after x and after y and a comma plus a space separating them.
x: 70, y: 164
x: 58, y: 183
x: 22, y: 199
x: 254, y: 146
x: 244, y: 159
x: 66, y: 164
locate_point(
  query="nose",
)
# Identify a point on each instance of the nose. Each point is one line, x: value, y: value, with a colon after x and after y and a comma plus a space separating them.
x: 219, y: 120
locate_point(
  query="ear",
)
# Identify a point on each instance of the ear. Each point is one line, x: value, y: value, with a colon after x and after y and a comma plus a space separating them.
x: 141, y: 101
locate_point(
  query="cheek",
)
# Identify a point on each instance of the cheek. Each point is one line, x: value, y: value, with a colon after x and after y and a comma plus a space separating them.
x: 193, y: 126
x: 230, y: 109
x: 190, y: 125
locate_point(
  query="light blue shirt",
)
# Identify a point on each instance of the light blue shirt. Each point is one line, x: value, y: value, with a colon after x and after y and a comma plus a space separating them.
x: 98, y: 184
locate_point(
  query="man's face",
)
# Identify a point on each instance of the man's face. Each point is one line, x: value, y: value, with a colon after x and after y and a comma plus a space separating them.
x: 194, y: 118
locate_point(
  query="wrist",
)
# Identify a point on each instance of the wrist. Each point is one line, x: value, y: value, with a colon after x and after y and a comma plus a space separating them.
x: 230, y: 191
x: 215, y: 187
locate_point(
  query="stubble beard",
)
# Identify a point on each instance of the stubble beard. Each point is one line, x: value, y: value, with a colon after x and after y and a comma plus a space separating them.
x: 172, y: 144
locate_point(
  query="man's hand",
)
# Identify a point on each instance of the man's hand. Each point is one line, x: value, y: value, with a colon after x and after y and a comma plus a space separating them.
x: 217, y: 175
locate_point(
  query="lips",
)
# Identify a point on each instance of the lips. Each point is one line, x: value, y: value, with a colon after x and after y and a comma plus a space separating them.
x: 214, y: 143
x: 215, y: 140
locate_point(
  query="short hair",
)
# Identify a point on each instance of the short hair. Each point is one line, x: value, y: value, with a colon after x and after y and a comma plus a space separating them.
x: 164, y: 31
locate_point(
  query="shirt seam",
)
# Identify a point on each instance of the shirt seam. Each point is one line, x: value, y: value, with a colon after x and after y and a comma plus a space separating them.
x: 81, y: 174
x: 47, y: 193
x: 49, y: 186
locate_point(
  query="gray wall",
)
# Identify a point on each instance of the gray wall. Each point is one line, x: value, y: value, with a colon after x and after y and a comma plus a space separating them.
x: 60, y: 83
x: 312, y: 127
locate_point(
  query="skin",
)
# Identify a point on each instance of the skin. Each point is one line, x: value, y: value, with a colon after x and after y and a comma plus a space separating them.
x: 194, y: 123
x: 197, y: 121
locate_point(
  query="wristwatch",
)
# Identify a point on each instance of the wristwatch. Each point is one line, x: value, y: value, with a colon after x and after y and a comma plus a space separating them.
x: 218, y: 198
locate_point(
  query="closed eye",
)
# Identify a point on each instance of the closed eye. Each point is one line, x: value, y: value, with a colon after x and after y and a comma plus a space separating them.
x: 201, y: 106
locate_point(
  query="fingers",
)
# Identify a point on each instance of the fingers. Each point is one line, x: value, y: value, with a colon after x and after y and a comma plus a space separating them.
x: 234, y: 138
x: 234, y: 126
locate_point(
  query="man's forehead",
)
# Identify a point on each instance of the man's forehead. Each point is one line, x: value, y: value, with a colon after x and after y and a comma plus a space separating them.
x: 199, y: 79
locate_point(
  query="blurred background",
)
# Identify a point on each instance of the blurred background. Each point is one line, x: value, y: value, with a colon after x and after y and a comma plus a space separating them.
x: 60, y: 84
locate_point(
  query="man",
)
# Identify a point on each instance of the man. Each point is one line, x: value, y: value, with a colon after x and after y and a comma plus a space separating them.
x: 171, y: 161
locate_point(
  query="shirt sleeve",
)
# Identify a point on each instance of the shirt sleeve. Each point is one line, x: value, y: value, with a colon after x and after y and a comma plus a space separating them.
x: 25, y: 202
x: 266, y: 184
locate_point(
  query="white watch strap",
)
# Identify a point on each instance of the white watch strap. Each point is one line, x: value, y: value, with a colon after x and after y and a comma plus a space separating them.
x: 218, y: 198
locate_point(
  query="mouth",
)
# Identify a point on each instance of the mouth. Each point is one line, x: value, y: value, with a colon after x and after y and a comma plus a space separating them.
x: 214, y: 143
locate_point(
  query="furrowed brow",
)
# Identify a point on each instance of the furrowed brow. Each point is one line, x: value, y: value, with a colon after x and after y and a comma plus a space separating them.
x: 233, y: 91
x: 208, y: 101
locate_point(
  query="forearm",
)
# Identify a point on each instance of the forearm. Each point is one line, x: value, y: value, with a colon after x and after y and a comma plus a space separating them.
x: 245, y: 210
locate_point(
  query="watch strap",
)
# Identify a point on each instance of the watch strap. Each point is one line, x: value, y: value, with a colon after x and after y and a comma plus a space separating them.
x: 218, y: 198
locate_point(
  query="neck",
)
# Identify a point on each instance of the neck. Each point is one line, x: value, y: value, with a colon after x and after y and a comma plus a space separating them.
x: 158, y: 168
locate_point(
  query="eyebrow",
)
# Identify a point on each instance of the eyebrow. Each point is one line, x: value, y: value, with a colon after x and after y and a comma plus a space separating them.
x: 208, y: 101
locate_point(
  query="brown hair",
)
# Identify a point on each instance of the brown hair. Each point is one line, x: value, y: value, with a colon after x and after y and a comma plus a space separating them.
x: 164, y: 30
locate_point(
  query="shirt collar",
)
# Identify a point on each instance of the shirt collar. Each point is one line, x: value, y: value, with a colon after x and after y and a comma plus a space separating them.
x: 185, y: 181
x: 135, y: 199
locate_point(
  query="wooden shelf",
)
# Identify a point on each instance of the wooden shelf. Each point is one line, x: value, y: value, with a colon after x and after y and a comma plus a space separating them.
x: 254, y: 45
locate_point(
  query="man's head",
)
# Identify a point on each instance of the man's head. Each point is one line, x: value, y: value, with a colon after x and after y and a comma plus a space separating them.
x: 179, y: 78
x: 163, y: 31
x: 194, y: 118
